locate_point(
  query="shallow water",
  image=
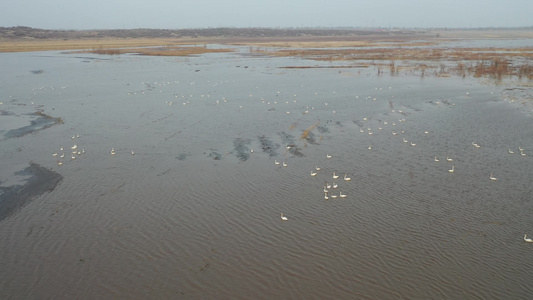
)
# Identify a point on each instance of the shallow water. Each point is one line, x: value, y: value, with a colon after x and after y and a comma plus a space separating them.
x: 196, y: 214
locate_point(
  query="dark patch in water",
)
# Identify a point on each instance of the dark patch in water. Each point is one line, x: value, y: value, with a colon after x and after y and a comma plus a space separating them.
x: 40, y: 71
x: 44, y: 121
x: 287, y: 139
x: 323, y: 129
x: 311, y: 138
x: 13, y: 198
x: 268, y: 146
x: 182, y: 156
x: 215, y: 155
x: 241, y: 148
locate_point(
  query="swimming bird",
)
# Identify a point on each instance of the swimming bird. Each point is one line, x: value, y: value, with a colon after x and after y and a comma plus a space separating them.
x: 347, y: 178
x: 276, y: 162
x: 334, y: 196
x: 325, y: 189
x: 436, y: 159
x: 526, y: 239
x: 113, y: 151
x: 413, y: 144
x: 520, y: 148
x: 342, y: 195
x: 394, y: 133
x: 370, y: 147
x: 328, y: 156
x: 522, y: 153
x: 62, y: 155
x: 313, y: 173
x: 452, y: 169
x: 511, y: 151
x: 317, y: 168
x: 55, y: 154
x: 283, y: 218
x: 328, y: 185
x: 405, y: 140
x: 284, y: 164
x: 61, y: 149
x: 74, y: 147
x: 448, y: 159
x: 492, y: 177
x: 426, y: 132
x: 335, y: 176
x: 59, y: 163
x: 132, y: 153
x: 475, y: 145
x: 335, y: 185
x: 326, y: 196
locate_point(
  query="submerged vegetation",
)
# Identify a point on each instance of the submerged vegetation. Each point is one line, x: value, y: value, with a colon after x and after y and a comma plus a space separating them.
x: 477, y: 62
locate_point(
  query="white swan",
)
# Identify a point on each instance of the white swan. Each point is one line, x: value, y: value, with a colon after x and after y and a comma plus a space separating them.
x: 347, y: 178
x: 328, y: 156
x: 342, y: 195
x: 113, y: 151
x: 394, y: 133
x: 59, y: 163
x: 492, y: 177
x: 62, y: 155
x: 526, y: 239
x: 325, y: 189
x: 283, y: 218
x: 317, y: 168
x: 405, y: 140
x: 313, y: 173
x: 276, y: 162
x: 522, y: 153
x: 335, y: 176
x: 335, y: 185
x: 328, y: 185
x: 132, y: 153
x: 436, y: 159
x: 326, y: 196
x: 74, y: 147
x: 413, y: 144
x: 55, y: 154
x: 448, y: 159
x: 520, y: 148
x: 370, y: 147
x: 284, y: 164
x: 334, y: 196
x: 452, y: 169
x: 511, y: 151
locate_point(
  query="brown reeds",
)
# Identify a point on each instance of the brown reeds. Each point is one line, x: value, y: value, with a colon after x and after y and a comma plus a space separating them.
x: 306, y: 132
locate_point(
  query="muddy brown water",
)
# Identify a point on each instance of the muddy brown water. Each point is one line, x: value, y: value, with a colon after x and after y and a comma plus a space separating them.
x: 195, y: 212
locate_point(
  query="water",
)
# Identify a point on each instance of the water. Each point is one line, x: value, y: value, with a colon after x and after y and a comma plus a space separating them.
x: 196, y: 214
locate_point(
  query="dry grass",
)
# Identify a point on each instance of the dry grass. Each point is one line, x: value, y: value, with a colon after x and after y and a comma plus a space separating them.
x: 496, y: 62
x: 160, y: 51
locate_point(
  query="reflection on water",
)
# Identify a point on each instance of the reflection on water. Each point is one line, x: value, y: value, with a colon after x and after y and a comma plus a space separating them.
x: 195, y: 213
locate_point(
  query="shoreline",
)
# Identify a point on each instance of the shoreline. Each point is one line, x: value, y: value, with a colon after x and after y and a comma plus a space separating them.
x: 24, y: 39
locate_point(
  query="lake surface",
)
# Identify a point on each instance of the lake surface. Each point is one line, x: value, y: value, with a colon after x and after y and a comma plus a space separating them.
x: 195, y: 212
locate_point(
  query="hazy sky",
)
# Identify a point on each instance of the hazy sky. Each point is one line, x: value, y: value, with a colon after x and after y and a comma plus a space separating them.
x: 118, y: 14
